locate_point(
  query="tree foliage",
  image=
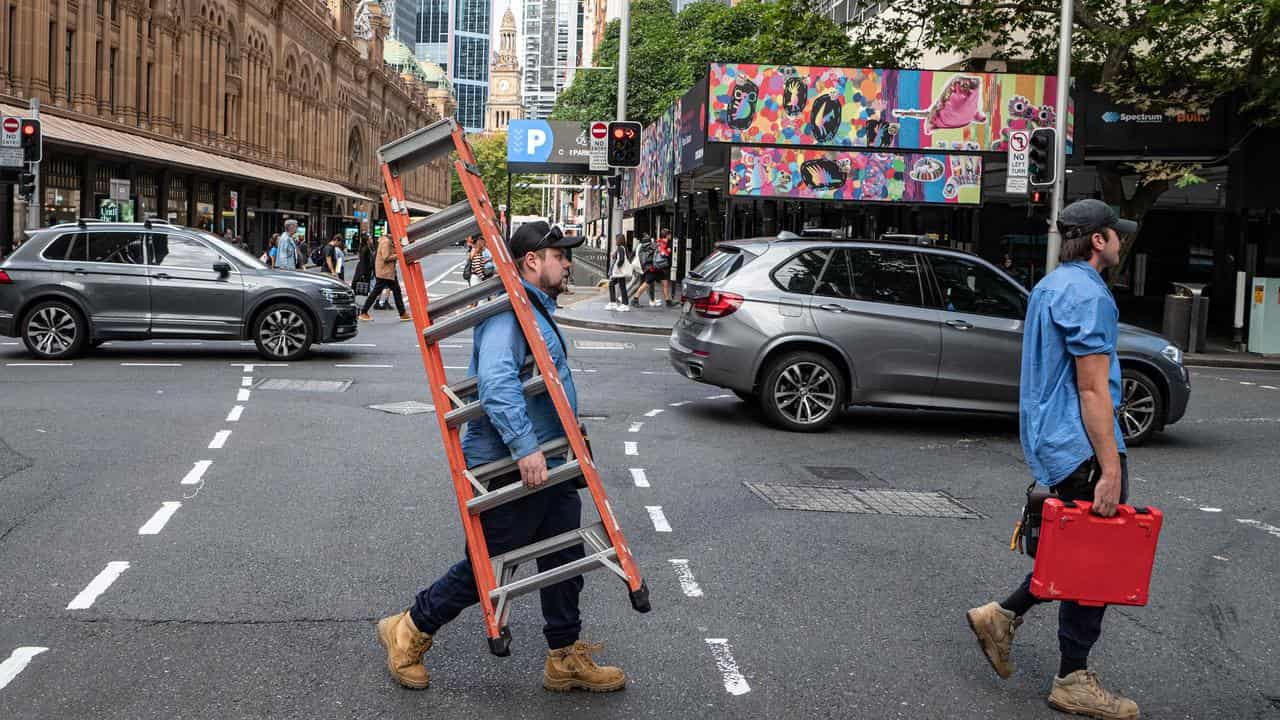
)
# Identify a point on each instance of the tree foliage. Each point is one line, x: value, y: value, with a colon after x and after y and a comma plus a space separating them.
x: 491, y: 156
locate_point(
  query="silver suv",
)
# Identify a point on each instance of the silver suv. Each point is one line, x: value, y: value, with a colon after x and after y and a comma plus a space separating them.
x: 78, y: 285
x: 806, y: 327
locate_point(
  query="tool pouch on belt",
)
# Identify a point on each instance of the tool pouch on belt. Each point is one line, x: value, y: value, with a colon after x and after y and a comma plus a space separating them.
x: 1026, y: 534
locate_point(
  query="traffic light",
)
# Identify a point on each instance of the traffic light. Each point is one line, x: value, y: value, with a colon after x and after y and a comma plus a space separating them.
x: 1042, y: 170
x: 26, y: 185
x: 624, y: 144
x: 32, y: 143
x: 615, y: 185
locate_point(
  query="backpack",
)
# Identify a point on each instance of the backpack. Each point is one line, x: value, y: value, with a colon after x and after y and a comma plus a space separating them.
x: 317, y: 256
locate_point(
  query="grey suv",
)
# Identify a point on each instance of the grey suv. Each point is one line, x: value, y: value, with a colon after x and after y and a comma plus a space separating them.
x: 80, y: 284
x: 805, y: 327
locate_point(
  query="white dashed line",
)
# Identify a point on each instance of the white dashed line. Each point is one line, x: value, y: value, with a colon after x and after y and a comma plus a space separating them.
x: 234, y: 415
x: 682, y: 403
x: 1211, y: 509
x: 687, y: 583
x: 219, y: 439
x: 360, y: 365
x: 38, y: 364
x: 157, y: 521
x: 1270, y: 387
x: 630, y: 447
x: 734, y: 682
x: 359, y: 345
x: 150, y: 364
x: 455, y: 367
x: 1219, y: 557
x: 450, y: 347
x: 98, y: 585
x: 719, y: 397
x: 1245, y: 382
x: 660, y: 349
x: 248, y: 367
x: 242, y: 395
x: 654, y: 413
x: 17, y: 662
x: 15, y: 343
x: 660, y: 523
x: 639, y: 478
x: 1269, y: 529
x: 635, y: 427
x: 246, y: 381
x: 196, y: 473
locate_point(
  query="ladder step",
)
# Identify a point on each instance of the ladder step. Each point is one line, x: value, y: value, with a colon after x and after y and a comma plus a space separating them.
x: 488, y: 471
x: 468, y: 319
x: 425, y: 226
x: 467, y: 388
x: 441, y: 239
x: 474, y: 294
x: 594, y: 535
x: 473, y: 410
x: 419, y: 147
x: 559, y: 574
x: 508, y: 493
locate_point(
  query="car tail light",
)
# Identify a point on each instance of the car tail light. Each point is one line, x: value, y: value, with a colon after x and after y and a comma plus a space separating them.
x: 717, y: 304
x: 5, y: 279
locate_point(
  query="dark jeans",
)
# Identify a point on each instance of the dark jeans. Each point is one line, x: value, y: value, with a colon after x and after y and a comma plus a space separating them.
x: 620, y: 285
x: 1079, y: 626
x: 380, y: 284
x: 534, y: 517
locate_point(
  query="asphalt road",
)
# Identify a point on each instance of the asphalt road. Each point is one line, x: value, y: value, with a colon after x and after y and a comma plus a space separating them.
x: 256, y: 597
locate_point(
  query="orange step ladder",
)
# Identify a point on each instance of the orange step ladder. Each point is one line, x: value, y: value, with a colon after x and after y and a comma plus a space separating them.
x: 457, y: 404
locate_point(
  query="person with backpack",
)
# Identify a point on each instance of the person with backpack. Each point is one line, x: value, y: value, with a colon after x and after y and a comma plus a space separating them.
x: 662, y: 263
x: 621, y: 265
x: 647, y: 254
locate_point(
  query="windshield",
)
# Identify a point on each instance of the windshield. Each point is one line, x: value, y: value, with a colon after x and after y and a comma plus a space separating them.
x: 228, y: 249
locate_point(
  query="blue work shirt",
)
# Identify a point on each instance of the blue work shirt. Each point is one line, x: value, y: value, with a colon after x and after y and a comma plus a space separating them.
x: 514, y: 426
x: 1071, y: 314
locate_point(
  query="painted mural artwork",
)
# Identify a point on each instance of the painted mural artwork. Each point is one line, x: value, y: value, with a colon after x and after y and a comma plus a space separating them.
x: 875, y: 108
x: 654, y: 181
x: 768, y: 172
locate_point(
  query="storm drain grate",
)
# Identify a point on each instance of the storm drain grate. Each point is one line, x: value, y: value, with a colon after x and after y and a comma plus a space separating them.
x: 905, y: 503
x: 406, y: 407
x: 326, y: 386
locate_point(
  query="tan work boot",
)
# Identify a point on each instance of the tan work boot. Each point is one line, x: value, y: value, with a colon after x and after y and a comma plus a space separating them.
x: 365, y: 317
x: 404, y: 317
x: 572, y: 668
x: 405, y: 646
x: 1082, y: 694
x: 994, y: 627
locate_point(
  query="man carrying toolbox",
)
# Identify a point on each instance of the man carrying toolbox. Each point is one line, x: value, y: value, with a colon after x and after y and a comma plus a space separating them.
x: 514, y: 427
x: 1071, y: 439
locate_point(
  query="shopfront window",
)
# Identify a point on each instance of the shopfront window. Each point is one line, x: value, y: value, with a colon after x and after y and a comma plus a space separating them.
x: 61, y: 192
x: 176, y: 212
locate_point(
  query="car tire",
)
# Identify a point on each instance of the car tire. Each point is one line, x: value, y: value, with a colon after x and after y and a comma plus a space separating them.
x: 54, y: 330
x: 283, y: 331
x: 747, y: 397
x: 802, y: 392
x: 1141, y: 410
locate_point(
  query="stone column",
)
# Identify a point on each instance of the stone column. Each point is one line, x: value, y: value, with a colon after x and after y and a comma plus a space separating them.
x: 222, y: 116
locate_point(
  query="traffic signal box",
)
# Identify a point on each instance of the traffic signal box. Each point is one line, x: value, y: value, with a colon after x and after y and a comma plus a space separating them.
x: 624, y: 144
x: 32, y: 143
x: 1042, y: 168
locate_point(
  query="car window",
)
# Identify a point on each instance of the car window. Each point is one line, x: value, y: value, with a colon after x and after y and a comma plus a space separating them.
x: 113, y: 247
x: 969, y: 287
x: 891, y: 276
x: 58, y: 249
x: 722, y: 263
x: 800, y: 273
x: 837, y: 278
x: 180, y: 251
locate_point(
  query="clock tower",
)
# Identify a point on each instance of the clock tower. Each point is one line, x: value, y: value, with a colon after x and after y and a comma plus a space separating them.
x: 504, y: 80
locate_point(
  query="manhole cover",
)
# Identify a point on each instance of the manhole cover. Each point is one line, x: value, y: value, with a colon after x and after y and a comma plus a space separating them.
x: 908, y: 503
x: 841, y: 473
x: 602, y: 345
x: 408, y: 407
x: 329, y: 386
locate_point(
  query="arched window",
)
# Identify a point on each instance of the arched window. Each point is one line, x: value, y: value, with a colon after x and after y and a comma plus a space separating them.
x: 355, y: 157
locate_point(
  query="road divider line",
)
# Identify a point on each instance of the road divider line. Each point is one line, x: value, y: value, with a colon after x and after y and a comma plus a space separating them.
x: 219, y: 439
x: 17, y: 662
x: 360, y: 365
x: 630, y: 447
x: 1269, y: 529
x: 639, y: 478
x: 687, y: 582
x: 242, y: 395
x: 1270, y: 387
x: 660, y: 523
x: 734, y: 682
x: 682, y: 403
x: 98, y: 585
x: 1211, y: 509
x: 150, y: 364
x: 1245, y: 382
x: 719, y: 397
x: 196, y: 473
x: 246, y: 381
x: 654, y: 412
x: 234, y: 415
x: 157, y: 521
x: 39, y: 364
x: 359, y: 345
x: 635, y: 427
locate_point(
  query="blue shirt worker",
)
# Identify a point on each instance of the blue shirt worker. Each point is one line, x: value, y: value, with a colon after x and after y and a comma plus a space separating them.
x: 1071, y: 438
x: 513, y: 427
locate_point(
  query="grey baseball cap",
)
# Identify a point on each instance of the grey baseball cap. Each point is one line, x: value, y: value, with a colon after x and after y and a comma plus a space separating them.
x: 1089, y: 215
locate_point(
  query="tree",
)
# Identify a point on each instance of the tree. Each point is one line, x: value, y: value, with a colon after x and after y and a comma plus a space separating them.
x: 491, y: 156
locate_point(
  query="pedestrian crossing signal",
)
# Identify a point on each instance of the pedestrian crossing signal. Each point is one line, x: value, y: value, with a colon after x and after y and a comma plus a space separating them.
x: 624, y: 144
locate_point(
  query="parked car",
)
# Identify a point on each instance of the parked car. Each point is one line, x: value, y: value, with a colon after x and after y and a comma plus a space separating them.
x: 77, y: 285
x: 808, y: 327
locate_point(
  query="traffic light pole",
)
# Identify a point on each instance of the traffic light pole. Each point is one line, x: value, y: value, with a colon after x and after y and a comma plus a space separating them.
x: 624, y: 42
x: 1054, y: 248
x: 33, y: 203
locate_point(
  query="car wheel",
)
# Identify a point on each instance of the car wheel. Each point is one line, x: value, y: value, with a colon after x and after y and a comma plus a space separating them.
x: 802, y: 392
x: 1141, y: 407
x: 745, y: 396
x: 54, y: 330
x: 283, y: 332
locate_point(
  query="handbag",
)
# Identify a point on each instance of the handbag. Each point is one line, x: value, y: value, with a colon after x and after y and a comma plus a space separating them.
x: 361, y: 287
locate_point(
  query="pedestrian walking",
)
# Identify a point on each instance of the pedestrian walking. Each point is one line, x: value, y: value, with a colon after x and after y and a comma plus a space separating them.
x: 268, y: 256
x: 333, y: 257
x: 479, y: 265
x: 621, y: 266
x: 300, y: 251
x: 362, y: 280
x: 645, y: 255
x: 286, y: 257
x: 384, y: 272
x: 662, y: 263
x: 1070, y: 391
x: 514, y: 426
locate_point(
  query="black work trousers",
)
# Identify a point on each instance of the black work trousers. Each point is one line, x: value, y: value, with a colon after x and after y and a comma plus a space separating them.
x: 380, y: 284
x: 618, y: 290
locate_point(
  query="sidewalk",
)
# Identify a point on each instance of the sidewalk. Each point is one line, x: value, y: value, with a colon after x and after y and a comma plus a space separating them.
x: 585, y: 308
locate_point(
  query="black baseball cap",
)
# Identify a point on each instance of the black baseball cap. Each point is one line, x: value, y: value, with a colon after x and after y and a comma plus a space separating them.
x: 538, y: 235
x: 1089, y: 216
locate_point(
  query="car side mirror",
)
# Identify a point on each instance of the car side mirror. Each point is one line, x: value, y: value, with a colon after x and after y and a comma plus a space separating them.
x: 222, y: 268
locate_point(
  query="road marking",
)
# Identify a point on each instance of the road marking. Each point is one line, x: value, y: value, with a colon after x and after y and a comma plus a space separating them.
x: 1211, y: 509
x: 234, y: 415
x: 657, y: 372
x: 451, y: 347
x: 719, y: 397
x: 1269, y: 529
x: 248, y: 367
x: 360, y: 365
x: 639, y: 478
x: 219, y: 439
x: 444, y: 274
x: 734, y: 682
x: 1245, y: 382
x: 452, y: 282
x: 660, y: 523
x: 98, y: 585
x: 682, y: 403
x: 630, y: 448
x: 150, y: 364
x: 660, y: 349
x: 635, y: 427
x: 455, y: 367
x: 39, y: 364
x: 196, y: 473
x: 246, y: 381
x: 242, y: 395
x: 17, y: 662
x: 157, y: 521
x: 1270, y: 387
x: 359, y: 345
x: 687, y: 583
x: 13, y: 342
x: 654, y: 413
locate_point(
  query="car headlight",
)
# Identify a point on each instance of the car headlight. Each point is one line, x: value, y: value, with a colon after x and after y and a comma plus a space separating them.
x: 1173, y: 353
x: 334, y: 296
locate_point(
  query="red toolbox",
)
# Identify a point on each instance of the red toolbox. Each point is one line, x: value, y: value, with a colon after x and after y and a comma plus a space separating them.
x: 1095, y: 560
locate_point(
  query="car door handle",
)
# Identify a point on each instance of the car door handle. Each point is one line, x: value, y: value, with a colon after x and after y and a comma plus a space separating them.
x: 80, y: 271
x: 960, y: 324
x: 162, y: 276
x: 832, y: 307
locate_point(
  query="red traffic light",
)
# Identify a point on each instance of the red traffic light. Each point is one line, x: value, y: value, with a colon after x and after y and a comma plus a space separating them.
x: 617, y: 132
x: 28, y: 129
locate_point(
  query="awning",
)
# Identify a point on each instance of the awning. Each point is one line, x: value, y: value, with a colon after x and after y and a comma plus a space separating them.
x: 65, y: 131
x: 417, y: 208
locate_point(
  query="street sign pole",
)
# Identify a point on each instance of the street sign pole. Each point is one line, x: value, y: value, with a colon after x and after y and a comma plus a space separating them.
x: 33, y: 205
x: 1060, y: 183
x: 624, y: 40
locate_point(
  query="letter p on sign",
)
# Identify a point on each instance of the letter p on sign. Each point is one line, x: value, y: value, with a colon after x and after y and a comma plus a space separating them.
x: 537, y: 138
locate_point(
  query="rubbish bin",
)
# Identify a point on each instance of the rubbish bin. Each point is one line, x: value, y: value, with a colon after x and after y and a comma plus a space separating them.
x: 1186, y: 316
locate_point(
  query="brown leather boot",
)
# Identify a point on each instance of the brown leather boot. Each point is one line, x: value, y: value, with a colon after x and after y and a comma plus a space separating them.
x: 572, y: 668
x: 1081, y: 693
x: 405, y: 646
x: 994, y: 627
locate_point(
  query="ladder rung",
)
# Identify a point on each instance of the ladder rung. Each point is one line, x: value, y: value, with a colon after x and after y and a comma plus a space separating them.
x: 517, y: 490
x: 558, y: 574
x: 468, y: 387
x: 462, y: 321
x: 441, y: 239
x: 419, y: 147
x: 553, y: 544
x: 488, y: 471
x: 422, y: 227
x: 472, y: 410
x: 456, y: 301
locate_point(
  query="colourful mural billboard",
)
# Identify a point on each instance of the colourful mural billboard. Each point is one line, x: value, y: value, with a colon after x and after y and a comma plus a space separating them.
x: 654, y: 181
x: 775, y: 172
x: 870, y: 107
